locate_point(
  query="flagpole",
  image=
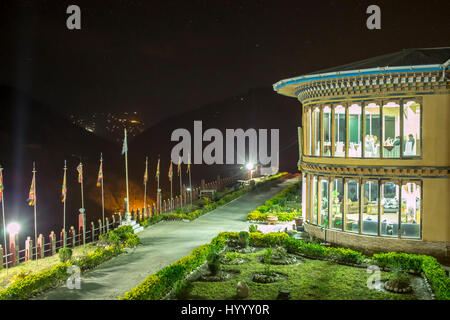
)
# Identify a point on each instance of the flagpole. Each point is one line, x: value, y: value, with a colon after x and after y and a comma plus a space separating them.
x: 35, y: 221
x: 4, y: 224
x: 64, y: 206
x: 190, y: 182
x: 181, y: 186
x: 171, y: 179
x: 145, y: 187
x: 82, y: 196
x: 126, y: 171
x: 103, y: 194
x: 190, y: 186
x: 158, y: 193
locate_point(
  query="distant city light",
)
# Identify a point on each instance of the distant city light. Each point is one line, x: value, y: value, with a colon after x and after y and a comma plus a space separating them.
x: 13, y: 228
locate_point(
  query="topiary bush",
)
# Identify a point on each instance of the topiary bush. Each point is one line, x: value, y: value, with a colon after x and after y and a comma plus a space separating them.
x: 65, y: 254
x: 243, y: 239
x: 213, y: 260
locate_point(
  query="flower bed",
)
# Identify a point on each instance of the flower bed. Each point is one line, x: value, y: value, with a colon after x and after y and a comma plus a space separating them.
x: 277, y: 206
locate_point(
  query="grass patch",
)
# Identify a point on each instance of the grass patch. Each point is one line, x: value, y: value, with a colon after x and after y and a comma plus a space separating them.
x: 37, y: 266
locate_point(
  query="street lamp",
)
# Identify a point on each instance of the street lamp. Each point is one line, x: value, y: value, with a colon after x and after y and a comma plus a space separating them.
x: 250, y: 167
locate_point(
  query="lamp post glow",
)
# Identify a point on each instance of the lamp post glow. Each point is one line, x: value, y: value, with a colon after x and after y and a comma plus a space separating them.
x: 13, y: 228
x: 250, y: 168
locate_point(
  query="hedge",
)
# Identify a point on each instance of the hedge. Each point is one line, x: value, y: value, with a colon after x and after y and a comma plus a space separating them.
x: 157, y: 285
x: 35, y: 283
x: 207, y: 208
x: 432, y: 269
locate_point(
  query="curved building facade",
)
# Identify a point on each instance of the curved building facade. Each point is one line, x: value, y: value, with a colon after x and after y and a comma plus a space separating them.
x: 375, y: 152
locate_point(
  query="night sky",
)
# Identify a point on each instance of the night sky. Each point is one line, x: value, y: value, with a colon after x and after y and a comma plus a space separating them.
x: 163, y: 58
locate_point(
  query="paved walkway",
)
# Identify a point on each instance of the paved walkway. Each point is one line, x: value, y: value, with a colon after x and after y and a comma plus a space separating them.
x: 163, y: 244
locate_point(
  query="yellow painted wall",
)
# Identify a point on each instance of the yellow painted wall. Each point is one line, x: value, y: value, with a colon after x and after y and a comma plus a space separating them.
x: 436, y: 210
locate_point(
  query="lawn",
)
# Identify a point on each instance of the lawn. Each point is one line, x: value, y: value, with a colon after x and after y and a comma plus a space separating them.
x: 306, y: 280
x: 36, y: 266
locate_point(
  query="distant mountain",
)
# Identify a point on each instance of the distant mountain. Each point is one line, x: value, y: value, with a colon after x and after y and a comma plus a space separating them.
x: 31, y: 132
x: 259, y: 108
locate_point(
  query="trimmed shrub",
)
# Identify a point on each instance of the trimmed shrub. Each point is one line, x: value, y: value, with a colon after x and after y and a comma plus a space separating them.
x: 65, y: 254
x: 243, y: 238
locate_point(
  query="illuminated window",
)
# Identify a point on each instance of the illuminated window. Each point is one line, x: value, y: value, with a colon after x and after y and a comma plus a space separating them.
x: 391, y: 130
x: 324, y: 197
x: 389, y: 208
x: 354, y: 131
x: 410, y: 217
x: 326, y: 131
x: 352, y: 206
x: 370, y: 207
x: 339, y: 131
x: 308, y: 131
x: 411, y: 129
x: 372, y: 135
x: 314, y: 200
x: 337, y: 196
x: 316, y: 131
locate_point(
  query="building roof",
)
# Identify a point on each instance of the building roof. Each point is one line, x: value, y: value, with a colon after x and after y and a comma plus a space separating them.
x: 420, y: 59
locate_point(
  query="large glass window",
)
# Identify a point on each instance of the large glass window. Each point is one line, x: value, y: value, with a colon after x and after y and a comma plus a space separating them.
x: 391, y: 130
x: 324, y: 198
x: 370, y: 207
x: 337, y: 204
x: 372, y: 135
x: 327, y: 131
x: 340, y: 131
x: 316, y: 131
x: 411, y: 129
x: 352, y: 206
x: 314, y: 200
x: 354, y: 131
x: 389, y: 208
x: 308, y: 131
x: 304, y: 197
x: 410, y: 218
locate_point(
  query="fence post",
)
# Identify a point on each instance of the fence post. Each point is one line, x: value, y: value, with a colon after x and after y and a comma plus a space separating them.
x: 63, y: 237
x: 28, y: 244
x: 107, y: 224
x: 93, y: 231
x: 100, y: 227
x: 113, y: 221
x: 153, y: 209
x: 74, y: 236
x: 40, y: 246
x: 82, y: 226
x: 52, y: 240
x: 120, y: 218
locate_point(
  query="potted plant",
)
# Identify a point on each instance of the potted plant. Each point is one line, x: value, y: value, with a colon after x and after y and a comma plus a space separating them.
x: 298, y: 221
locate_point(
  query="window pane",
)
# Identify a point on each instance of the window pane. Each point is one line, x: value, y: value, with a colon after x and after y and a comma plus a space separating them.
x: 354, y: 123
x: 316, y: 130
x: 411, y: 129
x: 370, y: 208
x: 308, y: 131
x: 352, y: 206
x: 314, y: 201
x: 372, y: 131
x: 339, y: 131
x: 324, y: 202
x: 389, y: 209
x: 337, y: 196
x: 411, y: 210
x: 304, y: 196
x: 327, y: 131
x: 391, y: 130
